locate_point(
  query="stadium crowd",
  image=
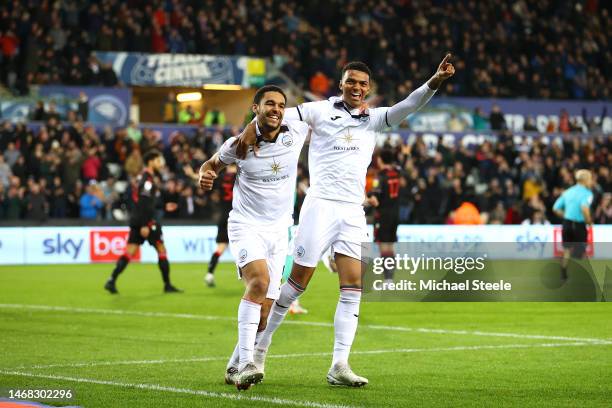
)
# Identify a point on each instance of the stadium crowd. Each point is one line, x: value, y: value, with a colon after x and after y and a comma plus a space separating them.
x: 74, y: 171
x: 543, y: 49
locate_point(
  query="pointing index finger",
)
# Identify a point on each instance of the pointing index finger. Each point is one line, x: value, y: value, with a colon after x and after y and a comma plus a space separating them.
x: 446, y: 58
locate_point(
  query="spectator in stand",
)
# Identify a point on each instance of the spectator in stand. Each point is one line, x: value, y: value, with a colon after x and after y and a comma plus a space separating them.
x: 83, y: 109
x: 466, y: 214
x: 58, y: 199
x: 52, y: 115
x: 170, y: 109
x: 564, y: 122
x: 537, y: 218
x: 496, y: 118
x: 186, y: 206
x: 215, y: 117
x: 36, y: 204
x: 479, y: 121
x: 109, y: 196
x: 5, y: 172
x: 134, y: 163
x: 133, y: 132
x: 530, y: 124
x: 39, y: 113
x: 603, y: 212
x: 187, y: 115
x: 455, y: 124
x: 107, y: 76
x: 319, y: 85
x: 91, y: 166
x: 13, y: 203
x: 91, y: 203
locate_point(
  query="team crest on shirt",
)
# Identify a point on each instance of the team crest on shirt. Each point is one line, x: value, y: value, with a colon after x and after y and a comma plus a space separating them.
x: 300, y: 251
x: 242, y: 254
x: 287, y: 140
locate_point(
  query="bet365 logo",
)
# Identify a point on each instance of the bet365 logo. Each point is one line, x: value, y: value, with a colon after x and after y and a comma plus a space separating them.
x: 108, y: 245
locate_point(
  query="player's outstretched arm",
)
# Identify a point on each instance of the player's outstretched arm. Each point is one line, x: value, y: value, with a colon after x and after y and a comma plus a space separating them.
x: 419, y: 97
x: 209, y: 171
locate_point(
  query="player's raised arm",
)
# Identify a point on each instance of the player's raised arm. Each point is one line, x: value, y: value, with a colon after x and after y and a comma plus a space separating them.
x: 419, y: 97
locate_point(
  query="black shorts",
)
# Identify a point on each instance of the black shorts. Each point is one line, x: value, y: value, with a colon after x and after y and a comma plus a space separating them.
x: 155, y: 235
x: 574, y: 235
x: 222, y: 231
x: 385, y: 227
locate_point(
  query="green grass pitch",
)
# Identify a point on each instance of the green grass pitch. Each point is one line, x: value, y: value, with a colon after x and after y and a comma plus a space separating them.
x: 60, y: 329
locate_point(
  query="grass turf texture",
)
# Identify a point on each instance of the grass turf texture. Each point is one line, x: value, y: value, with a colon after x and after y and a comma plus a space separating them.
x: 513, y: 371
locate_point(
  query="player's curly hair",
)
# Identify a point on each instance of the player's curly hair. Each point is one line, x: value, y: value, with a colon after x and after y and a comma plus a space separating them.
x: 268, y: 88
x: 357, y: 66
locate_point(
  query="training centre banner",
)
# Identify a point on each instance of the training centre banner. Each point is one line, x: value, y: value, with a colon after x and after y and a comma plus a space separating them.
x: 65, y: 245
x: 189, y: 70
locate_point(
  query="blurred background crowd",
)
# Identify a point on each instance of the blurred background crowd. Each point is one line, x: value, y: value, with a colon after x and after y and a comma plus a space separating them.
x: 65, y: 168
x: 545, y: 49
x: 73, y: 171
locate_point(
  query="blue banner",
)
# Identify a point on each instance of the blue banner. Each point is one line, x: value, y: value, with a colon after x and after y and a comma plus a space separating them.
x: 436, y: 115
x: 184, y: 69
x: 107, y: 106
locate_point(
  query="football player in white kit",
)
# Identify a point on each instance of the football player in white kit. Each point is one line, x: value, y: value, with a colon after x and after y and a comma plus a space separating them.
x: 342, y: 142
x: 259, y: 221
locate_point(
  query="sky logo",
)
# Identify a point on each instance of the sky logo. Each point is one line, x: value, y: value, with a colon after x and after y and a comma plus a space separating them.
x: 59, y: 246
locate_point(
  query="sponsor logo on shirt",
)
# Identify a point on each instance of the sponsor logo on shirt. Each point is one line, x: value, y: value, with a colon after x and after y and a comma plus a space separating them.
x: 275, y: 169
x: 346, y: 142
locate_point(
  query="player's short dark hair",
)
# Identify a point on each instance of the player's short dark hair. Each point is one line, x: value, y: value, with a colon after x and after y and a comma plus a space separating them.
x: 151, y: 155
x: 267, y: 88
x: 387, y: 156
x: 357, y: 66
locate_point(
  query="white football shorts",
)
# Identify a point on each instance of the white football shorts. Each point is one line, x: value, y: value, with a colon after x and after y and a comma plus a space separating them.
x: 249, y: 243
x: 325, y: 224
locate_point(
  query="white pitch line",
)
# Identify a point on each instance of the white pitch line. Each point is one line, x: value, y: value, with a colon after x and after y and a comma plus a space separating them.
x: 156, y: 387
x: 320, y: 324
x: 320, y: 354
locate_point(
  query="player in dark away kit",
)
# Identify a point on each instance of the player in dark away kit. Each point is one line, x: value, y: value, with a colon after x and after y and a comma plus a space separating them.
x: 386, y: 218
x: 226, y: 187
x: 143, y: 223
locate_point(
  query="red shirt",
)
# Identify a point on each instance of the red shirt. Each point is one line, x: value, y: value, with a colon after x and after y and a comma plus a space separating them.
x: 91, y: 167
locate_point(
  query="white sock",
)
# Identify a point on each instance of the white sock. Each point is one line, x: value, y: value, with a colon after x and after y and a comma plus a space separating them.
x: 345, y: 323
x: 289, y: 293
x: 235, y: 358
x: 248, y: 321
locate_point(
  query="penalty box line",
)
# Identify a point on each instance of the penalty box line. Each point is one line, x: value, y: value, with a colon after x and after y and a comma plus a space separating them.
x: 121, y: 312
x: 162, y: 388
x: 319, y: 354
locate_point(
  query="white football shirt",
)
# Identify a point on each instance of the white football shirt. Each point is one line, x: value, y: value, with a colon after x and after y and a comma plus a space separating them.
x: 264, y: 191
x: 341, y: 147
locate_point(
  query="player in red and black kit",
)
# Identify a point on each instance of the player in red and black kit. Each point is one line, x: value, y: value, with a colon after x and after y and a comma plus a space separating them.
x: 386, y: 218
x: 226, y: 189
x: 143, y: 223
